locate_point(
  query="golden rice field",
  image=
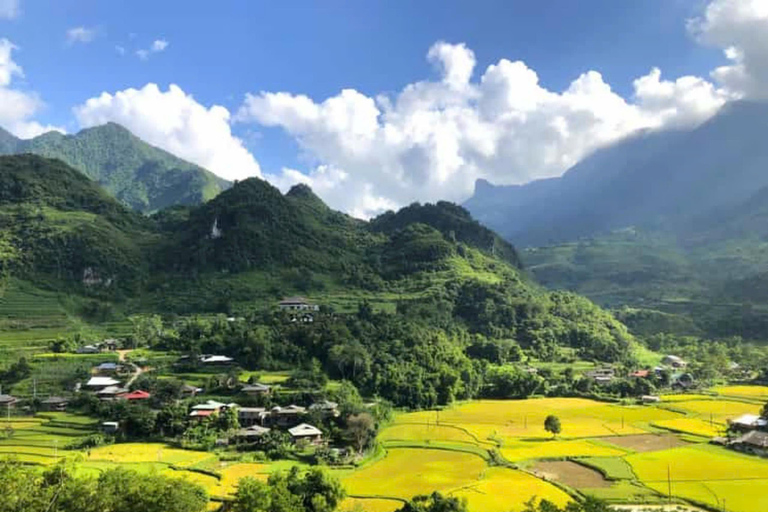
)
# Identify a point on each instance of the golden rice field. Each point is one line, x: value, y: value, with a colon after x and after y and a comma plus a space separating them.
x: 428, y: 432
x: 707, y: 474
x: 370, y: 505
x: 502, y: 490
x: 749, y: 392
x: 719, y: 411
x: 148, y: 452
x: 506, y: 420
x: 552, y: 449
x: 231, y: 475
x: 695, y: 426
x: 406, y: 472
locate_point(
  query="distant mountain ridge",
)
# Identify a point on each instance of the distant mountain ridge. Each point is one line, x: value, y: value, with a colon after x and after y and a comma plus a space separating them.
x: 138, y: 174
x: 646, y: 180
x: 675, y: 221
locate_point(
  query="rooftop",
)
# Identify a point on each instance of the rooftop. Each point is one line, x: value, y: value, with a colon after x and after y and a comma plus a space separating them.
x: 102, y: 381
x: 754, y: 438
x: 305, y: 429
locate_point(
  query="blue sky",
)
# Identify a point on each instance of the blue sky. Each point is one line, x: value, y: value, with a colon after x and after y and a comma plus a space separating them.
x: 217, y: 52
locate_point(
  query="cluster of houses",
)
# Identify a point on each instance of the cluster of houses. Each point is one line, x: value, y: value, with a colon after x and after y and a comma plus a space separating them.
x: 752, y: 435
x: 258, y: 421
x: 671, y: 363
x: 108, y: 345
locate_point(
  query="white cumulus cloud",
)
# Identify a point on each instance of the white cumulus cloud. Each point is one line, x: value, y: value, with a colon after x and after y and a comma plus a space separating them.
x: 434, y: 138
x: 17, y: 107
x: 740, y: 29
x: 175, y: 122
x: 80, y: 35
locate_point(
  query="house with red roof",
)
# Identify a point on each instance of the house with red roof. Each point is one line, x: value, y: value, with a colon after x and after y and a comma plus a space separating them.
x: 137, y: 395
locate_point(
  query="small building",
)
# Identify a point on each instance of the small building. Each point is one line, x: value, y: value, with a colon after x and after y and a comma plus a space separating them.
x: 110, y: 344
x: 88, y: 349
x: 252, y: 433
x: 306, y: 431
x: 8, y: 401
x: 683, y: 381
x: 110, y: 427
x: 256, y: 389
x: 215, y: 360
x: 601, y: 375
x: 108, y: 368
x: 248, y: 416
x: 55, y: 403
x: 97, y: 383
x: 754, y: 442
x: 674, y: 361
x: 747, y: 422
x: 650, y: 399
x: 285, y: 416
x: 209, y: 408
x: 640, y: 374
x: 188, y: 391
x: 137, y: 395
x: 297, y: 304
x: 325, y: 408
x: 111, y: 393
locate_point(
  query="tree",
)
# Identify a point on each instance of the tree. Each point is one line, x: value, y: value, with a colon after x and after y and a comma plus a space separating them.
x: 435, y: 502
x: 147, y: 330
x: 552, y: 425
x: 227, y: 420
x: 764, y: 412
x: 361, y: 428
x: 252, y: 496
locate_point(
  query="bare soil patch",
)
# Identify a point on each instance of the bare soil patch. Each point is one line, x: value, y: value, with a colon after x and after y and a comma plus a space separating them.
x: 571, y: 474
x: 647, y: 442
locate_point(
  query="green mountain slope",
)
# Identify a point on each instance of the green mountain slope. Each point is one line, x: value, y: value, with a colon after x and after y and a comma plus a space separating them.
x: 141, y: 176
x: 58, y: 227
x: 252, y: 245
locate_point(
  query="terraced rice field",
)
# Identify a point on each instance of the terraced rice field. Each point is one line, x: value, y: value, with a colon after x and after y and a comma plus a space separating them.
x: 707, y: 474
x: 148, y: 452
x: 717, y: 411
x: 506, y: 420
x: 502, y: 490
x: 621, y: 443
x: 759, y: 393
x: 427, y: 470
x: 43, y: 439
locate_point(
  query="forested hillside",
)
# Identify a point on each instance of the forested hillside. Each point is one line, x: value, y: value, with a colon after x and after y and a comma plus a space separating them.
x: 442, y: 273
x: 139, y: 175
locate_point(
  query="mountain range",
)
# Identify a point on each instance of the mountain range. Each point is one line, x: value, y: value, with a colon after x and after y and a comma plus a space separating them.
x: 139, y: 175
x: 667, y: 221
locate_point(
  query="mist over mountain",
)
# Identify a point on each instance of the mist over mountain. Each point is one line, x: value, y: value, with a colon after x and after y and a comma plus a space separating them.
x: 652, y: 179
x: 674, y: 221
x: 139, y: 175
